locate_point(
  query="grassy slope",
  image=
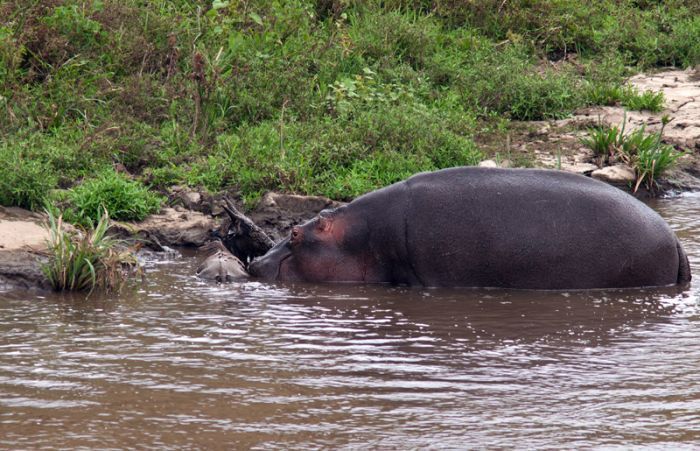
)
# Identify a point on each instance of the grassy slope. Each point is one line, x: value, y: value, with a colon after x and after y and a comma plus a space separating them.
x: 333, y: 97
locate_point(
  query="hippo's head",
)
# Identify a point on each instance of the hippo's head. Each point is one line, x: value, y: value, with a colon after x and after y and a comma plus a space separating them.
x: 328, y: 248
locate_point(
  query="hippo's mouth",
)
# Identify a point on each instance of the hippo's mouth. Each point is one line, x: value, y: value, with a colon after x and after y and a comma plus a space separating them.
x: 279, y: 267
x: 268, y: 266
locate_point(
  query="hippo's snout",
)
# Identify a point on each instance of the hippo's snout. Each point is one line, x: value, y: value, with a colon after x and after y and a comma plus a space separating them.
x: 263, y: 268
x: 268, y: 266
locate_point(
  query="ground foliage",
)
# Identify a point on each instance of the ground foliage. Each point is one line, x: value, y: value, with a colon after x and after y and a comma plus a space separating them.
x: 89, y: 258
x: 331, y: 97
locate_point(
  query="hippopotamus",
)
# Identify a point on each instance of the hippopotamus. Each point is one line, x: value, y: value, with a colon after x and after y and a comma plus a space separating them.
x: 485, y: 227
x: 220, y: 265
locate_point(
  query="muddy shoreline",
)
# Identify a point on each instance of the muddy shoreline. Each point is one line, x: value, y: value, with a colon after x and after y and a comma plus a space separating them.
x: 23, y: 237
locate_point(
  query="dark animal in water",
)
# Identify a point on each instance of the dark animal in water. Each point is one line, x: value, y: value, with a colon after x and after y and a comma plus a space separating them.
x: 220, y: 264
x: 482, y: 227
x: 242, y: 236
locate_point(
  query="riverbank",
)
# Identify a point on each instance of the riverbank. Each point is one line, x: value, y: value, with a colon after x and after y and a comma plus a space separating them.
x: 556, y: 144
x: 23, y: 234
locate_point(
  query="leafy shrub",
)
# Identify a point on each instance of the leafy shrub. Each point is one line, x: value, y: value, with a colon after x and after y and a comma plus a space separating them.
x: 392, y: 38
x: 24, y: 182
x: 86, y: 259
x: 508, y: 81
x: 128, y: 200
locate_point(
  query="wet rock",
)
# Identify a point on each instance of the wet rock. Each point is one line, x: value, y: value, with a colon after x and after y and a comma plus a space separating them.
x: 277, y: 213
x: 171, y: 228
x: 22, y: 269
x: 488, y: 164
x: 619, y: 174
x: 22, y: 247
x: 681, y: 179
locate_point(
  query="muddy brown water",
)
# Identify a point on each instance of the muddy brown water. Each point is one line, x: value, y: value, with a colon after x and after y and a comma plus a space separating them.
x: 182, y: 363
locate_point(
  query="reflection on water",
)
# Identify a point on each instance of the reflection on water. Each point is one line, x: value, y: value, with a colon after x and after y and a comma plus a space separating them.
x: 186, y: 363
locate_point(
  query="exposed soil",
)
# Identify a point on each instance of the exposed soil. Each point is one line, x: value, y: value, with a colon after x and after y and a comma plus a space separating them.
x: 552, y: 144
x: 171, y: 227
x: 21, y: 229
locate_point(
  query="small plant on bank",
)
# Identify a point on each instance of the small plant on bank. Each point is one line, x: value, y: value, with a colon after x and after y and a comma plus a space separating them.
x: 652, y: 101
x: 605, y: 141
x: 645, y: 153
x: 88, y: 258
x: 125, y: 199
x: 649, y: 157
x: 609, y: 94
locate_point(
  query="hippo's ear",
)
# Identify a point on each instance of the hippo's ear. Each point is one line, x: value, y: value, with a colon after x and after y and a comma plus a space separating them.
x: 324, y: 224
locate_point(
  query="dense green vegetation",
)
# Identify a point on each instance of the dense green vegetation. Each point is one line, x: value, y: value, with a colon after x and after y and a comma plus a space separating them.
x: 332, y: 97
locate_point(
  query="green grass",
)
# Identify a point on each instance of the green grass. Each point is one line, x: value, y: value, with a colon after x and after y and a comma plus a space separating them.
x: 645, y: 101
x: 317, y: 97
x: 88, y: 258
x: 605, y: 141
x: 127, y: 200
x: 648, y: 155
x: 609, y: 94
x: 24, y: 182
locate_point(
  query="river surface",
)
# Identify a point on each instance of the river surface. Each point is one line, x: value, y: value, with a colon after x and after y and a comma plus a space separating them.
x: 179, y: 363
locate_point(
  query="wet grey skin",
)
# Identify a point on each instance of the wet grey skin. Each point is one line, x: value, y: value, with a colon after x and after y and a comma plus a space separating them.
x: 483, y: 227
x: 220, y: 264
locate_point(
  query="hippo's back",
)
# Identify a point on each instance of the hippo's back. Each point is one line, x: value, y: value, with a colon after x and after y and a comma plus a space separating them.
x: 539, y: 229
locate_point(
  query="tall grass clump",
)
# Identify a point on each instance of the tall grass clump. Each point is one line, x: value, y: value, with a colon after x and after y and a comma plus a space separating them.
x: 605, y: 141
x: 648, y: 155
x: 88, y: 258
x: 125, y: 199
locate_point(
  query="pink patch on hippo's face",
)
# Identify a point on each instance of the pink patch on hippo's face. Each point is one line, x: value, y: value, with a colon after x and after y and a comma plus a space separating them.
x: 319, y: 256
